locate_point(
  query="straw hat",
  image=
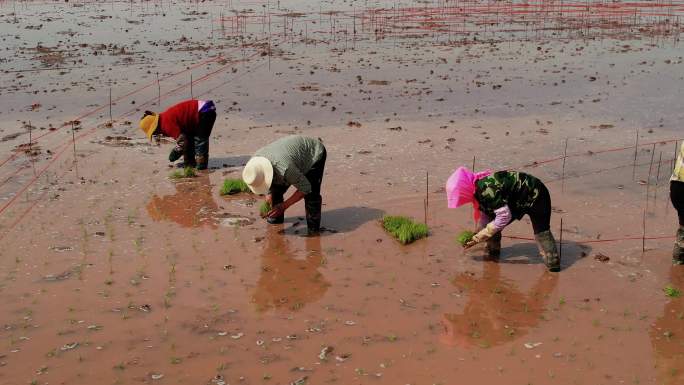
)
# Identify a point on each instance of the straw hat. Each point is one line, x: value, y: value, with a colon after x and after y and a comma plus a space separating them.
x: 258, y: 174
x: 148, y: 124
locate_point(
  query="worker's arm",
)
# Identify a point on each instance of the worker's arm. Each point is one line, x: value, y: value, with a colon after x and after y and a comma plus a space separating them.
x: 279, y: 209
x: 293, y: 176
x: 501, y: 219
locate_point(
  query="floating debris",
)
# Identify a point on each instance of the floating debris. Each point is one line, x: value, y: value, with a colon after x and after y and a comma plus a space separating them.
x: 532, y: 345
x: 300, y: 381
x: 61, y: 249
x: 325, y: 351
x: 70, y: 346
x: 342, y: 357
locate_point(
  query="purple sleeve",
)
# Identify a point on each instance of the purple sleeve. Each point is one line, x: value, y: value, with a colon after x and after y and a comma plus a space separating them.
x: 502, y: 218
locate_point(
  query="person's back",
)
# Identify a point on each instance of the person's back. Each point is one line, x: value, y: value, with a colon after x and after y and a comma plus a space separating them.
x: 297, y: 150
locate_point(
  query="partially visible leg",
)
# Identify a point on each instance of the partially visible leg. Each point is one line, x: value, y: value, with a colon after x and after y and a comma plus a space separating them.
x: 313, y: 201
x: 188, y: 144
x: 206, y: 124
x: 677, y: 197
x: 493, y: 245
x: 202, y: 152
x: 540, y: 214
x: 277, y: 196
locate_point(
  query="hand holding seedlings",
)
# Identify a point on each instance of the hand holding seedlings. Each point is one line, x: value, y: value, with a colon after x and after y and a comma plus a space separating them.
x: 276, y: 211
x: 469, y: 244
x: 465, y: 238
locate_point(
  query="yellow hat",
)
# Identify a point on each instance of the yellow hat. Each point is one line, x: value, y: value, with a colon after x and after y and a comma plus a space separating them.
x: 149, y: 124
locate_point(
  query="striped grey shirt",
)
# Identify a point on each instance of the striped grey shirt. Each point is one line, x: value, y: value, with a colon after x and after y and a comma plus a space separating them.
x: 292, y: 157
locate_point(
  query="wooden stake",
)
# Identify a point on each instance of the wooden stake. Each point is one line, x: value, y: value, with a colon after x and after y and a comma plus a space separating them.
x: 636, y: 150
x: 158, y: 91
x: 643, y: 237
x: 424, y: 211
x: 660, y: 160
x: 560, y: 241
x: 110, y: 105
x: 427, y: 196
x: 473, y: 169
x: 73, y: 138
x: 191, y: 95
x: 30, y: 138
x: 674, y: 158
x: 650, y: 169
x: 565, y: 155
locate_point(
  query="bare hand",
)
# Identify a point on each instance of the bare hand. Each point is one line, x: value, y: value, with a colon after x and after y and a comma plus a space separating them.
x: 277, y: 211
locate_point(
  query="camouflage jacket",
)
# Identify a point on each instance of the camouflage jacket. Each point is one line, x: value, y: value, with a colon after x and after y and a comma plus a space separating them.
x: 516, y: 189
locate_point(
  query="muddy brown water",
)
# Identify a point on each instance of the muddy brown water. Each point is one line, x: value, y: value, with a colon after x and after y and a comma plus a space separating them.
x: 110, y: 272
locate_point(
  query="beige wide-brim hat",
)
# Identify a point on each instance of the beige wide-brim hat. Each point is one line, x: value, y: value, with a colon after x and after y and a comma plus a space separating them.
x: 258, y: 174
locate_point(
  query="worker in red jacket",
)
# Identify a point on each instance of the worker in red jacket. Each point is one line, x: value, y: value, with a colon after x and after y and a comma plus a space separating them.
x: 189, y: 123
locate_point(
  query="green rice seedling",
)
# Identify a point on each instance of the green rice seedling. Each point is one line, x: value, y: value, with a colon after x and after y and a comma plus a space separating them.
x: 264, y: 208
x: 404, y: 229
x: 233, y: 186
x: 672, y: 291
x: 188, y: 172
x: 464, y: 237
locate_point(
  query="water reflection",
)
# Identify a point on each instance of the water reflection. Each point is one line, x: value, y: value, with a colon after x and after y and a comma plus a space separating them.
x: 496, y: 311
x: 289, y: 281
x: 667, y: 335
x: 192, y: 205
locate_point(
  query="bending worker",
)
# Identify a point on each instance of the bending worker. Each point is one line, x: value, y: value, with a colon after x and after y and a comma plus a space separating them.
x: 189, y: 123
x: 500, y: 197
x: 296, y: 161
x: 677, y: 197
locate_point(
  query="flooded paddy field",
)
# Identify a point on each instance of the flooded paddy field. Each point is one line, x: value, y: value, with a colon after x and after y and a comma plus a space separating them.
x: 111, y: 272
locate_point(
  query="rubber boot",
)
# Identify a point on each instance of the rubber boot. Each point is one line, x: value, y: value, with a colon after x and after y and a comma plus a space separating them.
x: 493, y: 246
x: 202, y: 162
x: 678, y: 253
x: 202, y: 152
x: 313, y: 214
x: 548, y: 250
x: 175, y: 154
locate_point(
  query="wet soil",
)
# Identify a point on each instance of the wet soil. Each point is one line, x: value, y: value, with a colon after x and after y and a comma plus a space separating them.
x: 110, y: 272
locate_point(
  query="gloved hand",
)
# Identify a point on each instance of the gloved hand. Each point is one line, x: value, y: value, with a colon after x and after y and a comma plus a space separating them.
x: 481, y: 236
x: 175, y: 154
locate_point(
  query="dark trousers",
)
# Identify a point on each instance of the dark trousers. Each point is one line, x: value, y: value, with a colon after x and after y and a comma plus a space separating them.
x: 313, y: 200
x: 196, y: 147
x: 540, y: 212
x: 677, y: 197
